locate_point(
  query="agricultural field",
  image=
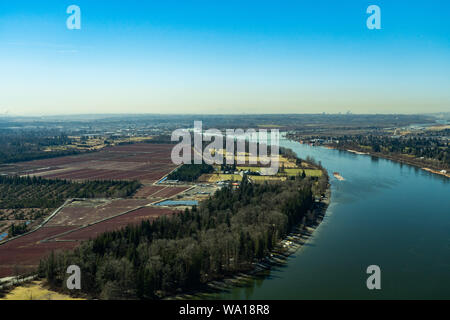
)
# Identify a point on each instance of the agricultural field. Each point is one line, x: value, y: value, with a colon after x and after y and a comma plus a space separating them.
x: 25, y: 202
x: 102, y: 196
x: 142, y: 161
x: 158, y: 192
x: 169, y: 192
x: 214, y: 177
x: 287, y: 168
x: 78, y: 221
x: 266, y: 178
x: 22, y: 255
x: 110, y: 189
x: 245, y: 160
x: 115, y: 223
x: 35, y: 290
x: 247, y: 168
x: 85, y: 212
x: 148, y: 191
x: 298, y: 171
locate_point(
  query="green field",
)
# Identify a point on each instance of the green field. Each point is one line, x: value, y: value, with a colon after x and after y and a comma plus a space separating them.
x: 252, y: 169
x: 267, y: 178
x: 213, y: 177
x: 308, y: 172
x: 287, y: 171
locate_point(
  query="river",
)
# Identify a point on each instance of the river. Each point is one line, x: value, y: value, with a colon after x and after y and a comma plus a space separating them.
x: 384, y: 213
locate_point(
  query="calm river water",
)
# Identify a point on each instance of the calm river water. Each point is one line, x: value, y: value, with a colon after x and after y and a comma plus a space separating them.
x: 384, y: 213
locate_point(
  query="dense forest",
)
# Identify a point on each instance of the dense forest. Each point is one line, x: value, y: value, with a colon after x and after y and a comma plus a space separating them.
x: 431, y: 148
x: 35, y: 192
x: 190, y: 172
x: 26, y: 145
x: 224, y: 235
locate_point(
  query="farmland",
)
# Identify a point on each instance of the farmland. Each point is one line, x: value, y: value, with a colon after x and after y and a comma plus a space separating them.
x: 289, y: 167
x: 144, y: 162
x: 297, y: 171
x: 157, y: 259
x: 78, y: 221
x: 25, y: 201
x: 108, y: 190
x: 220, y: 177
x: 95, y: 209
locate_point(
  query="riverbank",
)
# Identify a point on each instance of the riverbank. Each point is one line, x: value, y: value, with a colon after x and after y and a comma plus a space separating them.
x: 445, y: 174
x: 397, y: 158
x: 378, y: 197
x: 278, y: 257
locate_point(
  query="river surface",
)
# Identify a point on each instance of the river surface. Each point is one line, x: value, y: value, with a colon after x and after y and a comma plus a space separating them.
x: 384, y: 213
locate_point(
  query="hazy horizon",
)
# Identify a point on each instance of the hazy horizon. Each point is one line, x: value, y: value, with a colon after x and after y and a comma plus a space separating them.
x: 203, y: 57
x: 102, y: 115
x: 12, y: 115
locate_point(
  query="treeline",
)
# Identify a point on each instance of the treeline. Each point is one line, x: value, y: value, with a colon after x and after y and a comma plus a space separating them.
x: 35, y: 192
x: 224, y: 235
x: 24, y: 145
x: 432, y: 148
x: 15, y: 230
x: 190, y: 172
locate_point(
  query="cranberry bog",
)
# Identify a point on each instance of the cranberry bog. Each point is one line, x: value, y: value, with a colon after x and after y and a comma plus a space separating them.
x: 144, y: 162
x: 159, y: 192
x: 118, y: 222
x: 83, y: 219
x: 22, y: 255
x: 78, y: 221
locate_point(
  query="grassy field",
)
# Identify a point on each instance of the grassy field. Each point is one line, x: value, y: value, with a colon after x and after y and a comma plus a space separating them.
x: 219, y: 177
x: 245, y: 158
x: 35, y: 291
x: 252, y: 169
x: 281, y: 175
x: 308, y: 172
x: 267, y: 178
x: 287, y: 168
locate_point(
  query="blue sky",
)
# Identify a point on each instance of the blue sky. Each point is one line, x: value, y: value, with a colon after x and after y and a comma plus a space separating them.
x: 224, y: 57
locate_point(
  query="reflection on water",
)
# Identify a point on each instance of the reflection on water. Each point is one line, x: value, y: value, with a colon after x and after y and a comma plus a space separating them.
x: 384, y: 213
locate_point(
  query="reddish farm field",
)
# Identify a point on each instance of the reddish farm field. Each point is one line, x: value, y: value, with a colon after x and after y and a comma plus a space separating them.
x: 144, y: 162
x: 170, y: 192
x: 82, y: 220
x: 148, y: 191
x: 148, y: 213
x: 78, y: 221
x: 87, y: 212
x: 23, y: 254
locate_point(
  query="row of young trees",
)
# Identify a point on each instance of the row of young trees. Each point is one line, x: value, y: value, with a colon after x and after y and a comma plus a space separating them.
x: 35, y: 192
x: 225, y: 234
x: 190, y: 172
x: 15, y: 230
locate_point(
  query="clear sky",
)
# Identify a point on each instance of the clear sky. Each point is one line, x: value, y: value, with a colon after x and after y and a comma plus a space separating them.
x: 224, y: 56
